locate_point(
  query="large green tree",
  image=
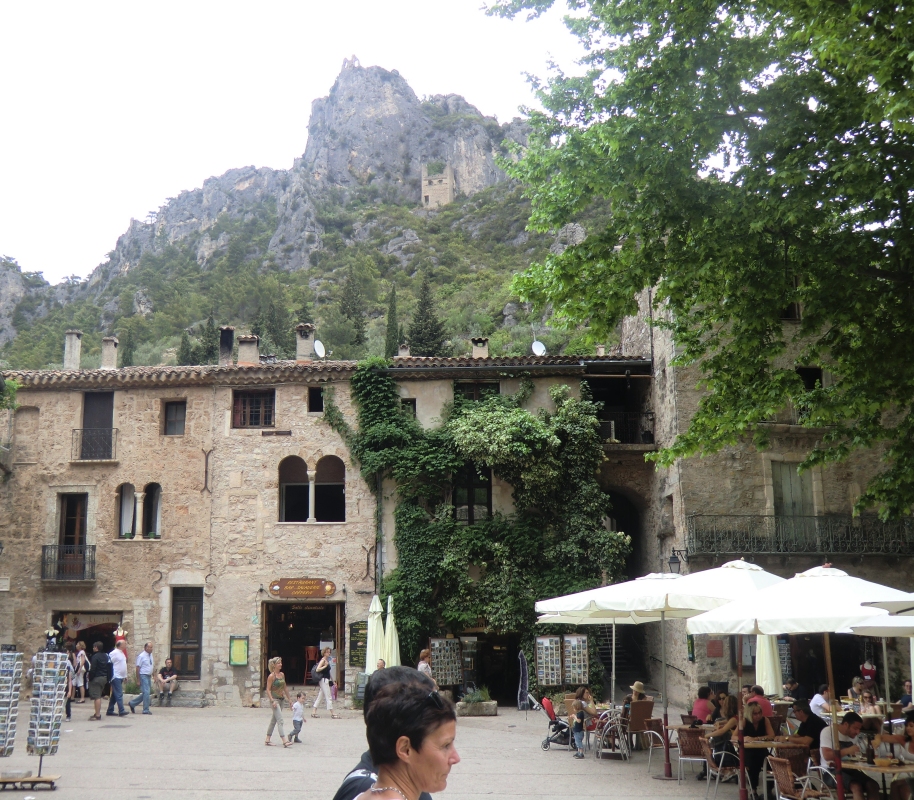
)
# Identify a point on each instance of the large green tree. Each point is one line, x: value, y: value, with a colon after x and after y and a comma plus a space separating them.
x: 391, y: 342
x: 426, y: 333
x: 748, y: 157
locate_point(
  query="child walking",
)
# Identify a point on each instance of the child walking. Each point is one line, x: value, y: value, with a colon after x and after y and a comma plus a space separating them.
x: 298, y: 718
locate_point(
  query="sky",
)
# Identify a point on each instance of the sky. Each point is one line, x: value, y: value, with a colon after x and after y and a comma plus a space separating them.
x: 110, y: 108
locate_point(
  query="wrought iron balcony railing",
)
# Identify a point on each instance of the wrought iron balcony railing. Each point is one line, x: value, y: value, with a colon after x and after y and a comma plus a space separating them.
x: 94, y: 444
x: 710, y: 534
x: 69, y: 562
x: 627, y: 427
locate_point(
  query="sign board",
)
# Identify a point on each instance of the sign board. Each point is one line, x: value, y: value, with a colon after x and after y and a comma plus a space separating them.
x: 714, y: 648
x: 297, y: 588
x: 238, y: 651
x: 358, y: 644
x: 4, y: 584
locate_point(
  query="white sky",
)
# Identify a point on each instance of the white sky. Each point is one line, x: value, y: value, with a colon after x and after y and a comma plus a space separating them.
x: 111, y: 107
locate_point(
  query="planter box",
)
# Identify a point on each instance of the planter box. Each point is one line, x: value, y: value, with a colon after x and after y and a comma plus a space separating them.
x: 487, y: 709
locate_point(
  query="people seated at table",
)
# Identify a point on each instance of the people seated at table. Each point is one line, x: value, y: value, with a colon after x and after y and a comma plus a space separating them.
x: 637, y: 694
x: 810, y: 728
x: 755, y: 726
x: 757, y: 695
x: 901, y: 789
x: 856, y: 690
x: 905, y: 699
x: 868, y: 704
x: 724, y: 753
x: 703, y: 709
x: 820, y: 703
x: 745, y: 692
x: 848, y: 730
x: 793, y: 690
x: 588, y: 706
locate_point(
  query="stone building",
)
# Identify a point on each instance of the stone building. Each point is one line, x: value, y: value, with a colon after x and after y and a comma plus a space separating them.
x: 439, y: 189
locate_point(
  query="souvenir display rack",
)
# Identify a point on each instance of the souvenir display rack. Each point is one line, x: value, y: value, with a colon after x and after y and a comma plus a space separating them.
x: 549, y: 660
x: 446, y: 661
x: 575, y: 652
x: 10, y: 680
x: 49, y: 689
x: 468, y: 653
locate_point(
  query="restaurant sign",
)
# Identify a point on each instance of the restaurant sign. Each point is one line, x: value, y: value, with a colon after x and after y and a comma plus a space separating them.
x: 299, y: 588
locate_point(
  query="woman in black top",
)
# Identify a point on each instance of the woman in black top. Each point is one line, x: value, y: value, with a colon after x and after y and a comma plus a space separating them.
x: 755, y: 726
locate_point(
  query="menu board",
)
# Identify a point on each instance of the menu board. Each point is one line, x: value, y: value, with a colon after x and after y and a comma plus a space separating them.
x: 548, y: 660
x: 10, y: 679
x: 358, y: 644
x: 49, y: 689
x: 575, y: 659
x: 446, y: 661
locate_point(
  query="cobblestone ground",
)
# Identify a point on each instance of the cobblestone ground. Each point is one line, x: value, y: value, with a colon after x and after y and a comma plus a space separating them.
x: 202, y: 754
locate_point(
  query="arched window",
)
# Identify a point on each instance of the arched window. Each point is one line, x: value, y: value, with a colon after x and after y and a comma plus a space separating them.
x: 126, y: 511
x: 330, y: 490
x: 293, y: 490
x: 152, y: 511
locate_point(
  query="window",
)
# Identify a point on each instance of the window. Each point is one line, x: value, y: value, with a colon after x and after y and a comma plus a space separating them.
x: 409, y: 405
x: 175, y: 414
x: 293, y: 490
x: 473, y: 494
x: 126, y: 526
x: 73, y: 519
x: 476, y: 390
x: 152, y: 511
x: 810, y: 377
x: 254, y: 409
x: 315, y: 399
x: 330, y: 490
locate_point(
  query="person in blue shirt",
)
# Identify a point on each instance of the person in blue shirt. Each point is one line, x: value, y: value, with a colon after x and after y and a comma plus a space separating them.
x: 905, y: 699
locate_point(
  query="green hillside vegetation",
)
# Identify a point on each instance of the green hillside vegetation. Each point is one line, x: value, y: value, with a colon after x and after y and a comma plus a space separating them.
x: 468, y: 251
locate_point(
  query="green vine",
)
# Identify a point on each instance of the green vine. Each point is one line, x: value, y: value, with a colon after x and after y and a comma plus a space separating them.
x: 450, y: 576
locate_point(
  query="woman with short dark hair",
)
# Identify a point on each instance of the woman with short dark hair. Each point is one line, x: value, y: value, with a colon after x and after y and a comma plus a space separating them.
x: 410, y: 733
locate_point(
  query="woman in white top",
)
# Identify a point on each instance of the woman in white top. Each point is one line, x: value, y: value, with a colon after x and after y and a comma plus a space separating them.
x: 425, y: 665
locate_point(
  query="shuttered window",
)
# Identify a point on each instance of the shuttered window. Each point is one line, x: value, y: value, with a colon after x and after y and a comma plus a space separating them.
x: 254, y: 409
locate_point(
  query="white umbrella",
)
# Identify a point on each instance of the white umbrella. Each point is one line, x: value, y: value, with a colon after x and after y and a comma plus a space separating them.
x: 902, y: 606
x: 768, y: 664
x: 391, y: 638
x: 375, y: 646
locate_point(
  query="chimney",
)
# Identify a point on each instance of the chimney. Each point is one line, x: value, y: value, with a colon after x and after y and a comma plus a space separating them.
x: 109, y: 352
x: 601, y: 349
x: 226, y: 342
x: 480, y: 346
x: 249, y: 351
x: 304, y: 342
x: 71, y: 348
x: 403, y: 351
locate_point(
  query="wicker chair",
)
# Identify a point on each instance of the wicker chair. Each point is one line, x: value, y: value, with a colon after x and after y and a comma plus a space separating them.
x: 798, y: 757
x: 788, y: 786
x: 723, y: 772
x: 689, y: 748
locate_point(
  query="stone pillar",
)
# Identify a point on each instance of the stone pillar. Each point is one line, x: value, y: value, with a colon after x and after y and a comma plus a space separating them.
x: 249, y: 351
x: 601, y: 349
x: 109, y: 352
x: 71, y: 349
x: 480, y: 347
x: 403, y: 351
x: 138, y: 528
x: 226, y: 343
x: 304, y: 342
x: 312, y: 476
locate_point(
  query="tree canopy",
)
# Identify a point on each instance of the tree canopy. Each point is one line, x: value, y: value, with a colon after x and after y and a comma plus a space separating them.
x: 426, y: 333
x: 752, y: 158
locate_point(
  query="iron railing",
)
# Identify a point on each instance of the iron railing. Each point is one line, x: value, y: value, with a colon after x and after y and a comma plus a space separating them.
x: 627, y: 427
x: 94, y: 444
x: 735, y: 534
x: 68, y: 562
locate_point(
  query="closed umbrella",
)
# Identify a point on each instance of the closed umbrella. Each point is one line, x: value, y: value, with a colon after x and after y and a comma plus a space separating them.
x: 391, y: 638
x: 375, y: 647
x: 768, y: 664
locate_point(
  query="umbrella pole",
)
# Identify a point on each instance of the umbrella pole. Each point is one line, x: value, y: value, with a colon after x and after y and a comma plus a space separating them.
x: 740, y: 719
x: 667, y: 766
x: 839, y: 777
x: 888, y: 700
x: 612, y: 696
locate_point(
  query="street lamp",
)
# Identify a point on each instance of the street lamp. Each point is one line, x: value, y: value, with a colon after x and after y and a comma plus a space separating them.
x: 676, y: 559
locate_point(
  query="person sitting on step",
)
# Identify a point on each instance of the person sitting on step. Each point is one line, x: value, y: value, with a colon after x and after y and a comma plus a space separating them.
x: 167, y: 682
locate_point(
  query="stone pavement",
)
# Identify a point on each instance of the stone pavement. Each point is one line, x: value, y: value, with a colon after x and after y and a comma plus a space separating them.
x: 209, y: 753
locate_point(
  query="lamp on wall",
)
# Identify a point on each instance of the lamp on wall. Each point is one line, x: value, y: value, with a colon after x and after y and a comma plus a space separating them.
x: 676, y: 559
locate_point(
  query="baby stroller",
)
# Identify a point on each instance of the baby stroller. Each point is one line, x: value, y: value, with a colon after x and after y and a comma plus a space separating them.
x: 558, y: 732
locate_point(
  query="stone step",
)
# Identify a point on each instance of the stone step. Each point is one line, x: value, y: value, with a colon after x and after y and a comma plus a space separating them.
x: 180, y: 699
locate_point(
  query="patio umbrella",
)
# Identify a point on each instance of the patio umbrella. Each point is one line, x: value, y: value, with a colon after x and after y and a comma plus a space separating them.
x: 662, y: 596
x: 375, y: 647
x: 901, y: 606
x: 820, y: 600
x: 768, y: 664
x: 391, y: 638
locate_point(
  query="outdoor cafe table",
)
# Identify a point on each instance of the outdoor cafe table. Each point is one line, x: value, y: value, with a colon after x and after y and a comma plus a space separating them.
x: 873, y: 769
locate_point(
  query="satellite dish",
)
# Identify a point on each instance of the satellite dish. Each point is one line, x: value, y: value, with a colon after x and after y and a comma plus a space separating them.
x: 539, y: 349
x: 319, y: 348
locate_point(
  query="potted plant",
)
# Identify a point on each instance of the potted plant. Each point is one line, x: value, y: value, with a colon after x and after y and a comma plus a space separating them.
x: 477, y: 703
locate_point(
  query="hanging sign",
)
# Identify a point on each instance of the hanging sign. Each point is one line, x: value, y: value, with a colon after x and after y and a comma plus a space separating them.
x: 296, y: 588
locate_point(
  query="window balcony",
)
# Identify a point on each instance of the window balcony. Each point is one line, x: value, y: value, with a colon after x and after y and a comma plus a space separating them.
x: 627, y: 427
x: 94, y: 444
x: 67, y: 563
x: 735, y: 535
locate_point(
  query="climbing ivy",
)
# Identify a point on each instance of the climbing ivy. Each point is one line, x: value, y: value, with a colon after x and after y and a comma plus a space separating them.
x: 451, y: 575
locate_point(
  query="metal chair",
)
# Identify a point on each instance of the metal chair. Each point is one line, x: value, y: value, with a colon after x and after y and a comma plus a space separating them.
x: 789, y: 786
x: 724, y: 771
x: 689, y: 748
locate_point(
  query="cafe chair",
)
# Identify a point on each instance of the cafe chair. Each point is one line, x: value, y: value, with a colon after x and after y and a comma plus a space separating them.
x: 689, y: 748
x: 724, y: 772
x: 789, y: 786
x: 687, y: 719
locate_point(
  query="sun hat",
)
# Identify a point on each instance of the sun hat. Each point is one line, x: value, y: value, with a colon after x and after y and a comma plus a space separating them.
x: 637, y: 686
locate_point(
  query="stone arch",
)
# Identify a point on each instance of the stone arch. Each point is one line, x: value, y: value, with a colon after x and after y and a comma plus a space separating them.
x: 294, y: 503
x: 330, y: 490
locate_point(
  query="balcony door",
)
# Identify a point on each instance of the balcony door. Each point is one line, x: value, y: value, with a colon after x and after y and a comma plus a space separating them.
x: 794, y: 509
x: 71, y: 553
x: 98, y: 422
x: 186, y: 630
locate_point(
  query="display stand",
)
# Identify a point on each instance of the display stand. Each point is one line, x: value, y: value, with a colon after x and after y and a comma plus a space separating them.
x: 575, y: 661
x: 468, y: 661
x: 548, y: 660
x: 446, y: 661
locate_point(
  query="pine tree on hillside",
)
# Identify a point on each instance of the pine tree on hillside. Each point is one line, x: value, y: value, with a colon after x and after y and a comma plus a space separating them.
x: 304, y: 312
x: 126, y: 348
x: 209, y: 346
x: 391, y: 342
x: 426, y: 333
x: 352, y: 306
x: 186, y: 356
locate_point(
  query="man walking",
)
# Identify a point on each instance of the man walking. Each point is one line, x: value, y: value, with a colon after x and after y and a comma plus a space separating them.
x: 119, y: 675
x: 144, y: 677
x: 98, y: 677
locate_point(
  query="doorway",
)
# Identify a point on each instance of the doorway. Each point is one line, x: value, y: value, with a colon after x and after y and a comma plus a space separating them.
x: 497, y: 666
x: 290, y: 628
x: 186, y: 630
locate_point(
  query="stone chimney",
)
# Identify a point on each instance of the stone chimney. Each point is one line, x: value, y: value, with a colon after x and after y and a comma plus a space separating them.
x: 403, y: 351
x: 480, y: 347
x: 304, y: 342
x: 71, y: 349
x: 226, y: 343
x: 249, y: 351
x: 601, y: 349
x: 109, y: 352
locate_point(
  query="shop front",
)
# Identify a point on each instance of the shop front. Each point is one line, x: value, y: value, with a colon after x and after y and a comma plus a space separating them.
x: 298, y: 631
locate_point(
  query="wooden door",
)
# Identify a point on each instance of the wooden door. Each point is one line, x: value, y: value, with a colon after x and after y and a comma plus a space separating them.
x: 186, y: 631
